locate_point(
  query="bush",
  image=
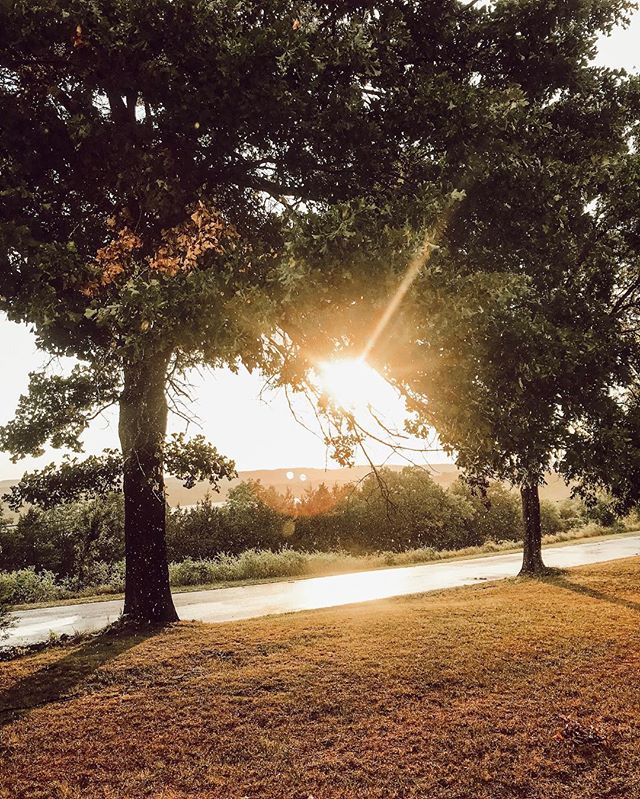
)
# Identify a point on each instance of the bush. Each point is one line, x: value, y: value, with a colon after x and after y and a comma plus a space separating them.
x: 572, y: 513
x: 551, y: 520
x: 5, y: 619
x: 67, y: 539
x: 391, y: 511
x: 100, y: 578
x: 497, y: 516
x: 27, y: 585
x: 194, y: 532
x: 6, y: 622
x: 251, y: 564
x: 603, y: 513
x: 393, y: 518
x: 250, y: 519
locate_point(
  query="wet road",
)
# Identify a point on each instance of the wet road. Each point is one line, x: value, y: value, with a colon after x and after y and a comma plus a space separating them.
x: 245, y: 602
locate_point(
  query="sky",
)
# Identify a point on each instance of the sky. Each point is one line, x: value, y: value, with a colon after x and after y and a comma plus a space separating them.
x: 245, y: 422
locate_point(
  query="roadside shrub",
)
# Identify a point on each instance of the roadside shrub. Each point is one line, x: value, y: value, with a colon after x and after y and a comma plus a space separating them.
x: 67, y: 539
x: 192, y: 572
x: 100, y: 577
x: 572, y: 513
x: 391, y: 511
x: 195, y: 532
x: 394, y: 518
x: 551, y: 520
x: 252, y: 564
x: 5, y: 619
x: 266, y: 563
x: 40, y: 540
x: 602, y: 512
x: 497, y: 516
x: 250, y: 519
x: 27, y: 585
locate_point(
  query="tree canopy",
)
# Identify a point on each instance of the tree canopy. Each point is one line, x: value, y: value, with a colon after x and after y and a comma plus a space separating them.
x: 516, y: 333
x: 518, y: 339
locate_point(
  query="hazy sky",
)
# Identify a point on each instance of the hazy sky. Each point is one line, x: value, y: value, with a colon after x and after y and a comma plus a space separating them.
x: 259, y: 433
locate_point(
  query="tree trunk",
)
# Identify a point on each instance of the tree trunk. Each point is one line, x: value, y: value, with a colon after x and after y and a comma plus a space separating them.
x: 142, y: 428
x: 532, y: 551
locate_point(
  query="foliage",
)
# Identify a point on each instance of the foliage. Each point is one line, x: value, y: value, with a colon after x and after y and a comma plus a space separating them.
x: 159, y: 219
x: 247, y: 520
x: 68, y: 539
x: 28, y: 586
x: 322, y: 500
x: 511, y: 337
x: 571, y: 512
x: 5, y: 620
x: 56, y: 409
x: 82, y: 542
x: 190, y: 460
x: 248, y: 565
x: 196, y: 460
x: 551, y: 521
x: 603, y: 510
x: 188, y: 182
x: 390, y: 511
x: 70, y: 481
x: 605, y: 457
x: 497, y: 515
x: 154, y: 158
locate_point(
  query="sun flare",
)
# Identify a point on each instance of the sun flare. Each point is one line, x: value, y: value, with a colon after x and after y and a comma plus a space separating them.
x: 353, y: 385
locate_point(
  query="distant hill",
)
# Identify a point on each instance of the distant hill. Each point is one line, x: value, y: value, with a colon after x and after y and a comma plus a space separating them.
x: 442, y: 473
x: 301, y: 480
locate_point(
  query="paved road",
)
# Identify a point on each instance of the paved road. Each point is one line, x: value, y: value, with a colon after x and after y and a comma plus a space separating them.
x: 231, y: 604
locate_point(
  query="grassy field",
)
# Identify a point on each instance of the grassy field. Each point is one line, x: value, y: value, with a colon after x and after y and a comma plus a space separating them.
x: 511, y: 689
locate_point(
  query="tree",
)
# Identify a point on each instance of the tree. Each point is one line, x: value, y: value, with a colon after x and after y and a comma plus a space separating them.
x: 320, y: 500
x: 516, y: 348
x: 509, y: 345
x: 146, y: 214
x: 67, y: 540
x: 202, y: 175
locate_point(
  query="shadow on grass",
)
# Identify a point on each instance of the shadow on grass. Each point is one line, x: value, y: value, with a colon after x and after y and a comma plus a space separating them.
x: 562, y: 582
x: 55, y: 681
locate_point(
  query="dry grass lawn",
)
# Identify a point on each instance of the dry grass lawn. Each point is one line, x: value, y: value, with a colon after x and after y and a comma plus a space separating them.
x: 518, y: 689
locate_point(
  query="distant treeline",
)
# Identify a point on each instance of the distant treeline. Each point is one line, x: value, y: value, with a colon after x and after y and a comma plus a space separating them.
x: 83, y: 542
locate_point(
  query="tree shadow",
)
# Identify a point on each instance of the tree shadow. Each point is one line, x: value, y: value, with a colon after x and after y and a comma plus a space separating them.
x: 55, y: 681
x: 562, y: 582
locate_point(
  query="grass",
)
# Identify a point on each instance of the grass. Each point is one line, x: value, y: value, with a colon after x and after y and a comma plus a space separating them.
x: 511, y: 689
x: 262, y: 566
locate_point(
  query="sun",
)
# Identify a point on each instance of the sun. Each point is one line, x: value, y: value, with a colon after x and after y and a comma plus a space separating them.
x: 353, y: 385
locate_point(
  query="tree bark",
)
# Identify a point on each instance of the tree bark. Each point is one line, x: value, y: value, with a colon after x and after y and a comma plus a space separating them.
x: 532, y: 551
x: 142, y: 428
